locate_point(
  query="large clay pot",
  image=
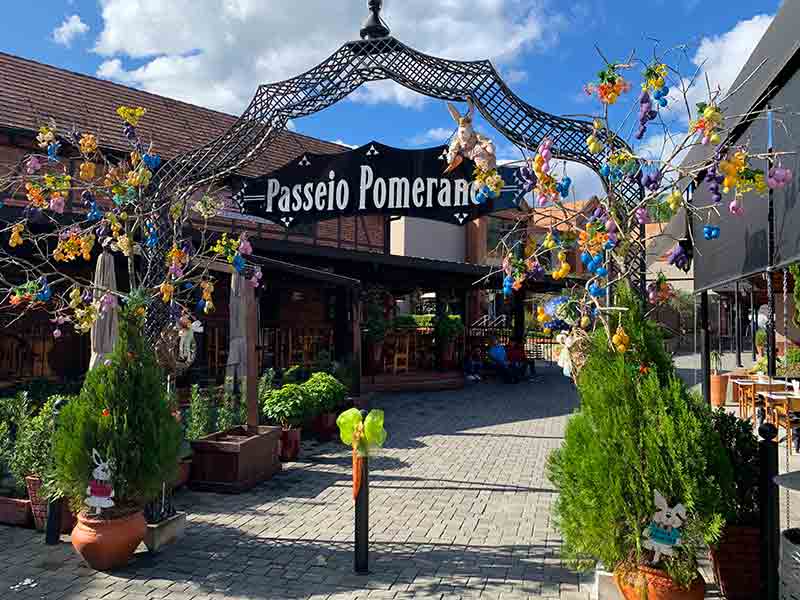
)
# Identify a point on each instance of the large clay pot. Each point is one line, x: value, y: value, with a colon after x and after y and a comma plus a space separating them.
x: 655, y: 584
x: 719, y: 390
x: 290, y: 443
x: 737, y: 562
x: 325, y: 426
x: 107, y: 544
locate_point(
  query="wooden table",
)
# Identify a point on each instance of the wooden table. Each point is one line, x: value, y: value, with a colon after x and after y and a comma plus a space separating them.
x: 780, y: 407
x: 750, y: 394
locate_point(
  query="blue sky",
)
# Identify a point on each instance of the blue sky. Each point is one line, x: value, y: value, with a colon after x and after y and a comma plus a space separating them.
x: 215, y: 52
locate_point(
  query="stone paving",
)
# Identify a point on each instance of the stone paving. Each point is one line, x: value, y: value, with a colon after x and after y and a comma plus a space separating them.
x: 459, y: 508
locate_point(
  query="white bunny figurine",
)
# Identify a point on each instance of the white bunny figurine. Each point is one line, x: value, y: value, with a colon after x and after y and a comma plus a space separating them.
x: 468, y: 144
x: 564, y: 357
x: 664, y: 532
x: 99, y: 492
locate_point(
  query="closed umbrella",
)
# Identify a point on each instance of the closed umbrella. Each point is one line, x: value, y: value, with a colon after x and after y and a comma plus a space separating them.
x: 241, y: 294
x: 104, y: 330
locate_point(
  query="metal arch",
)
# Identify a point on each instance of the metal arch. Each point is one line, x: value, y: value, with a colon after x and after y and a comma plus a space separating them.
x: 359, y: 62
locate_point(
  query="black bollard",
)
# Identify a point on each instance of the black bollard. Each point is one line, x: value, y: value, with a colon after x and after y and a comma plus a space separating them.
x: 52, y: 536
x: 768, y: 501
x: 361, y: 558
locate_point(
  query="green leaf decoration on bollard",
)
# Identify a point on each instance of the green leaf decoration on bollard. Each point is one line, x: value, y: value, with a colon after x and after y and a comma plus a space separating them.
x: 363, y: 434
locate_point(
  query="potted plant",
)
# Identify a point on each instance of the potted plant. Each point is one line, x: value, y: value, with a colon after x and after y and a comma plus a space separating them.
x: 326, y: 394
x: 288, y: 406
x: 116, y: 443
x: 761, y: 341
x: 737, y: 555
x: 719, y: 381
x: 15, y: 507
x: 640, y: 459
x: 445, y: 330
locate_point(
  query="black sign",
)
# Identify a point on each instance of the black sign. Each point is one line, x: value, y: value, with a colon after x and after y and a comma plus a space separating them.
x: 373, y: 179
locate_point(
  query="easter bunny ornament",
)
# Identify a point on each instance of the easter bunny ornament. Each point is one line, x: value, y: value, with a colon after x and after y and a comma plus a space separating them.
x: 664, y: 531
x: 99, y: 492
x: 469, y: 144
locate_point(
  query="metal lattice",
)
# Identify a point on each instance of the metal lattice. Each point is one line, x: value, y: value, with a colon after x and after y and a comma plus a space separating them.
x: 359, y: 62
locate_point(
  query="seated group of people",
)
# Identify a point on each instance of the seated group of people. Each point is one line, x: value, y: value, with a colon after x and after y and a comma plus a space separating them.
x: 510, y: 363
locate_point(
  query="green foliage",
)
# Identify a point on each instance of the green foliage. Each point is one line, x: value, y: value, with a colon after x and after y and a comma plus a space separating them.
x: 795, y: 271
x: 32, y: 454
x: 446, y: 329
x: 761, y: 339
x: 229, y: 413
x: 265, y: 383
x: 716, y: 362
x: 792, y: 357
x: 405, y: 322
x: 638, y: 430
x: 123, y: 412
x: 323, y: 362
x: 201, y: 418
x: 325, y: 393
x: 736, y: 436
x: 287, y: 406
x: 15, y: 412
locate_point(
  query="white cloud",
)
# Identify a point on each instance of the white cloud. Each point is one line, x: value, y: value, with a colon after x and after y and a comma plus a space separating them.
x: 436, y: 135
x: 722, y: 57
x: 71, y: 28
x: 216, y: 52
x: 343, y: 143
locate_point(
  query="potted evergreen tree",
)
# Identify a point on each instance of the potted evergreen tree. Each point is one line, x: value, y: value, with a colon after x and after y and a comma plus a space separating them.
x: 374, y: 335
x: 115, y: 445
x: 287, y: 407
x: 640, y: 464
x: 446, y: 330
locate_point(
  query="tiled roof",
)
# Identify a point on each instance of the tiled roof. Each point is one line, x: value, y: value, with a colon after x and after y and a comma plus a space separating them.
x: 32, y: 93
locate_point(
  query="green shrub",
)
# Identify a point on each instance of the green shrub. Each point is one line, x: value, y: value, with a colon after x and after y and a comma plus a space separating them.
x: 638, y: 430
x: 792, y: 357
x: 287, y: 406
x: 123, y: 413
x: 201, y: 419
x: 323, y: 362
x: 229, y: 412
x: 736, y: 436
x: 32, y: 454
x: 265, y: 383
x: 325, y: 393
x: 447, y: 329
x: 404, y: 323
x: 761, y: 339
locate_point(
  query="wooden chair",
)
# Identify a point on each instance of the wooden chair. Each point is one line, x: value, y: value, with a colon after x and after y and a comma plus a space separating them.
x: 784, y: 416
x: 401, y: 353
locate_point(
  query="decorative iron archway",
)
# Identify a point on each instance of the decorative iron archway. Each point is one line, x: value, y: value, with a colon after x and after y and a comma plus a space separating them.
x: 379, y: 56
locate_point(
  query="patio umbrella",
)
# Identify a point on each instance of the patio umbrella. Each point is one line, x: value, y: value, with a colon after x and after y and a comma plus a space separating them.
x: 104, y: 330
x: 241, y: 294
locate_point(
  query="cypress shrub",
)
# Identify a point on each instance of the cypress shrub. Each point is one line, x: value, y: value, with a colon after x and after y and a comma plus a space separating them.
x: 638, y: 430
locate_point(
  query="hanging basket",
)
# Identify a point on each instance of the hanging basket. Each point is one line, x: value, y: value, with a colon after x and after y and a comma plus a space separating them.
x: 790, y: 565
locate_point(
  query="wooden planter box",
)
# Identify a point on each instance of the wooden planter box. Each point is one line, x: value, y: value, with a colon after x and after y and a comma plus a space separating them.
x: 737, y: 562
x: 15, y: 512
x: 235, y: 460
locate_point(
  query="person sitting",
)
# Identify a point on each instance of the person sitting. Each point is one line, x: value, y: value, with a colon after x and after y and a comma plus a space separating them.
x: 516, y: 362
x: 473, y: 364
x: 499, y: 360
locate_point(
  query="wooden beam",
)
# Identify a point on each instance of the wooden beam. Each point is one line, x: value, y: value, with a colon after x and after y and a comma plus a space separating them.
x: 251, y: 340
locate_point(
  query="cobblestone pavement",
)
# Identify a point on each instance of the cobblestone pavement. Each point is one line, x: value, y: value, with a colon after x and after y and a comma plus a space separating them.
x: 459, y: 508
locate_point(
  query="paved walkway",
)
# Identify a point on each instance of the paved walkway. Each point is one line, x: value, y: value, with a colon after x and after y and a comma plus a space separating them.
x: 459, y: 508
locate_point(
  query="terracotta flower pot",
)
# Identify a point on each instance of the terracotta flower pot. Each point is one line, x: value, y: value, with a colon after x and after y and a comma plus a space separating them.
x: 655, y: 584
x: 107, y: 544
x: 737, y: 562
x: 290, y: 443
x: 39, y: 507
x: 15, y: 512
x: 719, y: 389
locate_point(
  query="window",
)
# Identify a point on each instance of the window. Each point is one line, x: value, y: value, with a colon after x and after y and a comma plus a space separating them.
x: 498, y: 229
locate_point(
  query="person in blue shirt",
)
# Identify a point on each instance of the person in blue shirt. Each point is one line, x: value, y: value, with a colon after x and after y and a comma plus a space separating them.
x: 498, y: 359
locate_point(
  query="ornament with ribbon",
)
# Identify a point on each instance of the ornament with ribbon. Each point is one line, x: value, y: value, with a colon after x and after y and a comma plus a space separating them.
x: 663, y: 533
x: 363, y: 434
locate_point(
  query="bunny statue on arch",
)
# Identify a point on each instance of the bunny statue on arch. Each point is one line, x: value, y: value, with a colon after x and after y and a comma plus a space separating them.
x: 469, y: 144
x: 664, y: 531
x: 99, y: 492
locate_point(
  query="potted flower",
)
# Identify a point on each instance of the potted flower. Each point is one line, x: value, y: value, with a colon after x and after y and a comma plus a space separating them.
x: 288, y: 406
x: 642, y: 476
x: 15, y: 507
x: 445, y: 330
x: 737, y: 555
x: 326, y: 394
x: 116, y: 443
x: 719, y: 381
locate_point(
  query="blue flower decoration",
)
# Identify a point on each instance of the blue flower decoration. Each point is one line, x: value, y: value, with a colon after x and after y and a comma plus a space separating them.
x: 238, y: 263
x: 151, y: 161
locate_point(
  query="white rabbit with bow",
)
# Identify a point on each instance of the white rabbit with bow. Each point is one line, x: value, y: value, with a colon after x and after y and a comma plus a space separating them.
x: 99, y: 493
x: 469, y: 144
